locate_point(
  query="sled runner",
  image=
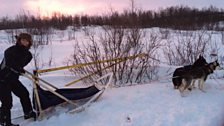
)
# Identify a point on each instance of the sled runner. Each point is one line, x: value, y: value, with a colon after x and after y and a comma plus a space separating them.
x: 82, y: 103
x: 44, y: 99
x: 21, y: 120
x: 95, y: 97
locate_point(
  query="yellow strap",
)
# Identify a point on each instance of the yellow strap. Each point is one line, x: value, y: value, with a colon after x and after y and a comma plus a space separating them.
x: 89, y: 63
x: 87, y: 76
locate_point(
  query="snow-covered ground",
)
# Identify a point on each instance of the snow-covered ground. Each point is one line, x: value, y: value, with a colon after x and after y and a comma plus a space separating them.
x: 152, y: 104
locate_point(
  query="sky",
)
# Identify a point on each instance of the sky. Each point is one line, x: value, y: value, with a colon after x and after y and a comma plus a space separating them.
x: 11, y: 8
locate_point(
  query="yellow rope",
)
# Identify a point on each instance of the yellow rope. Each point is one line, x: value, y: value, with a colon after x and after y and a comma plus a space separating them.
x: 89, y: 63
x: 120, y: 60
x: 89, y: 75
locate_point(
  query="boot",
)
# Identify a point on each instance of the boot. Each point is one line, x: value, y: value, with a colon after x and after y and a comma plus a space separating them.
x: 1, y: 117
x: 7, y: 118
x: 31, y: 114
x: 11, y: 124
x: 2, y: 121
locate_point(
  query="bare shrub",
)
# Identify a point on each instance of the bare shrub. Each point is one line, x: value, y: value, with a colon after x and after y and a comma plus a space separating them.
x: 11, y: 33
x: 39, y: 41
x: 41, y: 36
x: 165, y: 33
x: 117, y: 42
x: 222, y: 33
x: 186, y: 46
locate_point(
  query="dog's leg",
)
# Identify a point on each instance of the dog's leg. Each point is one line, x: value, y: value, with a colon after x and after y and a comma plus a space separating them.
x: 201, y: 85
x: 175, y: 87
x: 192, y: 86
x: 183, y: 87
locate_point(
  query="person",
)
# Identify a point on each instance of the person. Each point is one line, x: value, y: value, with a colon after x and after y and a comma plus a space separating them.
x: 12, y: 66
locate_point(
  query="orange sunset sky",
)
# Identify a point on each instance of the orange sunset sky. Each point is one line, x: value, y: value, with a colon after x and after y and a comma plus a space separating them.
x: 92, y: 7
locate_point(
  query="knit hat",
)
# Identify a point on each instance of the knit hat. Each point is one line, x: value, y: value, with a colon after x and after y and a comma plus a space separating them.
x: 26, y: 36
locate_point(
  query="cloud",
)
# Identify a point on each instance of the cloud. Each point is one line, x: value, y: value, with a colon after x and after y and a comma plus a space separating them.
x: 75, y: 6
x: 12, y: 8
x: 155, y: 5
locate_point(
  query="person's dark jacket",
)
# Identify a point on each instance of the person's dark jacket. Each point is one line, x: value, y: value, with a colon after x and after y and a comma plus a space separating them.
x: 15, y: 59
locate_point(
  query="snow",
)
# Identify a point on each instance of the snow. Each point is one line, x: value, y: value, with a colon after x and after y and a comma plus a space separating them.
x: 151, y: 104
x: 154, y: 104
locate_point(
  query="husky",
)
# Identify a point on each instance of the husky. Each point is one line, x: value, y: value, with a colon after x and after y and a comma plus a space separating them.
x: 200, y: 74
x: 177, y: 75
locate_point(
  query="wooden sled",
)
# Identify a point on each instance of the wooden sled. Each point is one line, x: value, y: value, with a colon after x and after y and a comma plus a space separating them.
x: 76, y: 107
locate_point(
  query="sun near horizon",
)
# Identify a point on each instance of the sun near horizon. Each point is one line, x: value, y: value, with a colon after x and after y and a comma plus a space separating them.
x: 47, y: 8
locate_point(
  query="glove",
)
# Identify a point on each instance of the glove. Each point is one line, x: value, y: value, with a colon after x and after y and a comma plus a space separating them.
x: 22, y: 71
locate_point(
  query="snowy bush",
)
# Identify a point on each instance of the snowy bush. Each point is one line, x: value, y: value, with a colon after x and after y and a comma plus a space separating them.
x: 117, y: 42
x: 184, y: 47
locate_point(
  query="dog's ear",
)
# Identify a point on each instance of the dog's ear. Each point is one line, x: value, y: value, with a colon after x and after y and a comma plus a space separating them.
x: 217, y: 61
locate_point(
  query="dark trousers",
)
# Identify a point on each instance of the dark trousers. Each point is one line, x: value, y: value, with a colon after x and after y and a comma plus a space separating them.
x: 15, y: 86
x: 20, y: 91
x: 6, y: 99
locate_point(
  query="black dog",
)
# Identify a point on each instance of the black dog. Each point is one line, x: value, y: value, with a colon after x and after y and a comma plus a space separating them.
x: 200, y: 74
x: 177, y: 75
